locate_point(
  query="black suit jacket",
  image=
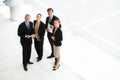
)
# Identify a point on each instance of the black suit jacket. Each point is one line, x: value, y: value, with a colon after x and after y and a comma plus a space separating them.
x: 47, y: 21
x: 23, y: 30
x: 41, y: 30
x: 58, y: 37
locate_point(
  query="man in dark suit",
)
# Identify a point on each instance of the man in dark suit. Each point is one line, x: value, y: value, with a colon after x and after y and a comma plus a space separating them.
x: 49, y: 27
x: 25, y: 30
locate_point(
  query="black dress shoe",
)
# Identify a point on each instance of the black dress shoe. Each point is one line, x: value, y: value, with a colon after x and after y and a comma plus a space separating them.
x: 30, y: 62
x: 51, y: 56
x: 25, y: 68
x: 38, y: 59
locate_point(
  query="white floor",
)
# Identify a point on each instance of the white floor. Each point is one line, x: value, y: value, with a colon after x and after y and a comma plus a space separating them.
x: 11, y: 60
x: 81, y: 59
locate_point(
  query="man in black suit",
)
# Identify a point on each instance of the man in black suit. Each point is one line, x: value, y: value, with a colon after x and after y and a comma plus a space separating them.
x: 25, y: 30
x: 49, y: 27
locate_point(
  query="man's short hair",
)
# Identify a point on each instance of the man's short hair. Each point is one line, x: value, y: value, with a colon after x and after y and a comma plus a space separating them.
x: 27, y: 15
x: 49, y: 9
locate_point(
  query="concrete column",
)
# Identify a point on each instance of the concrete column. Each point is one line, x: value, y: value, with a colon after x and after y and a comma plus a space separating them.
x: 16, y: 7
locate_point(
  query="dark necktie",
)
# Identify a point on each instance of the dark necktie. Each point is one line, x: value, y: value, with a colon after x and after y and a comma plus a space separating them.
x: 50, y: 21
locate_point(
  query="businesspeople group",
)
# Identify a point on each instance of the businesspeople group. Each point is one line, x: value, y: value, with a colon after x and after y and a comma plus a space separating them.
x: 36, y: 30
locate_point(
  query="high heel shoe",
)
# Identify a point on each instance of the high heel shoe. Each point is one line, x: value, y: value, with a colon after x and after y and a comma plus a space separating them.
x: 55, y: 68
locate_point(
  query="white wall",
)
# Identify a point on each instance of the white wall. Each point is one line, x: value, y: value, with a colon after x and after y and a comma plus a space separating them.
x: 96, y: 20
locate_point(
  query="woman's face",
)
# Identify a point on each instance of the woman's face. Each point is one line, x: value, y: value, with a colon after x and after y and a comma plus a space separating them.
x: 56, y: 24
x: 38, y: 17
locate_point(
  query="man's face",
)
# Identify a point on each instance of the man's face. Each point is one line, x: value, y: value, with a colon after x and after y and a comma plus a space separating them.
x: 50, y: 13
x: 27, y: 18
